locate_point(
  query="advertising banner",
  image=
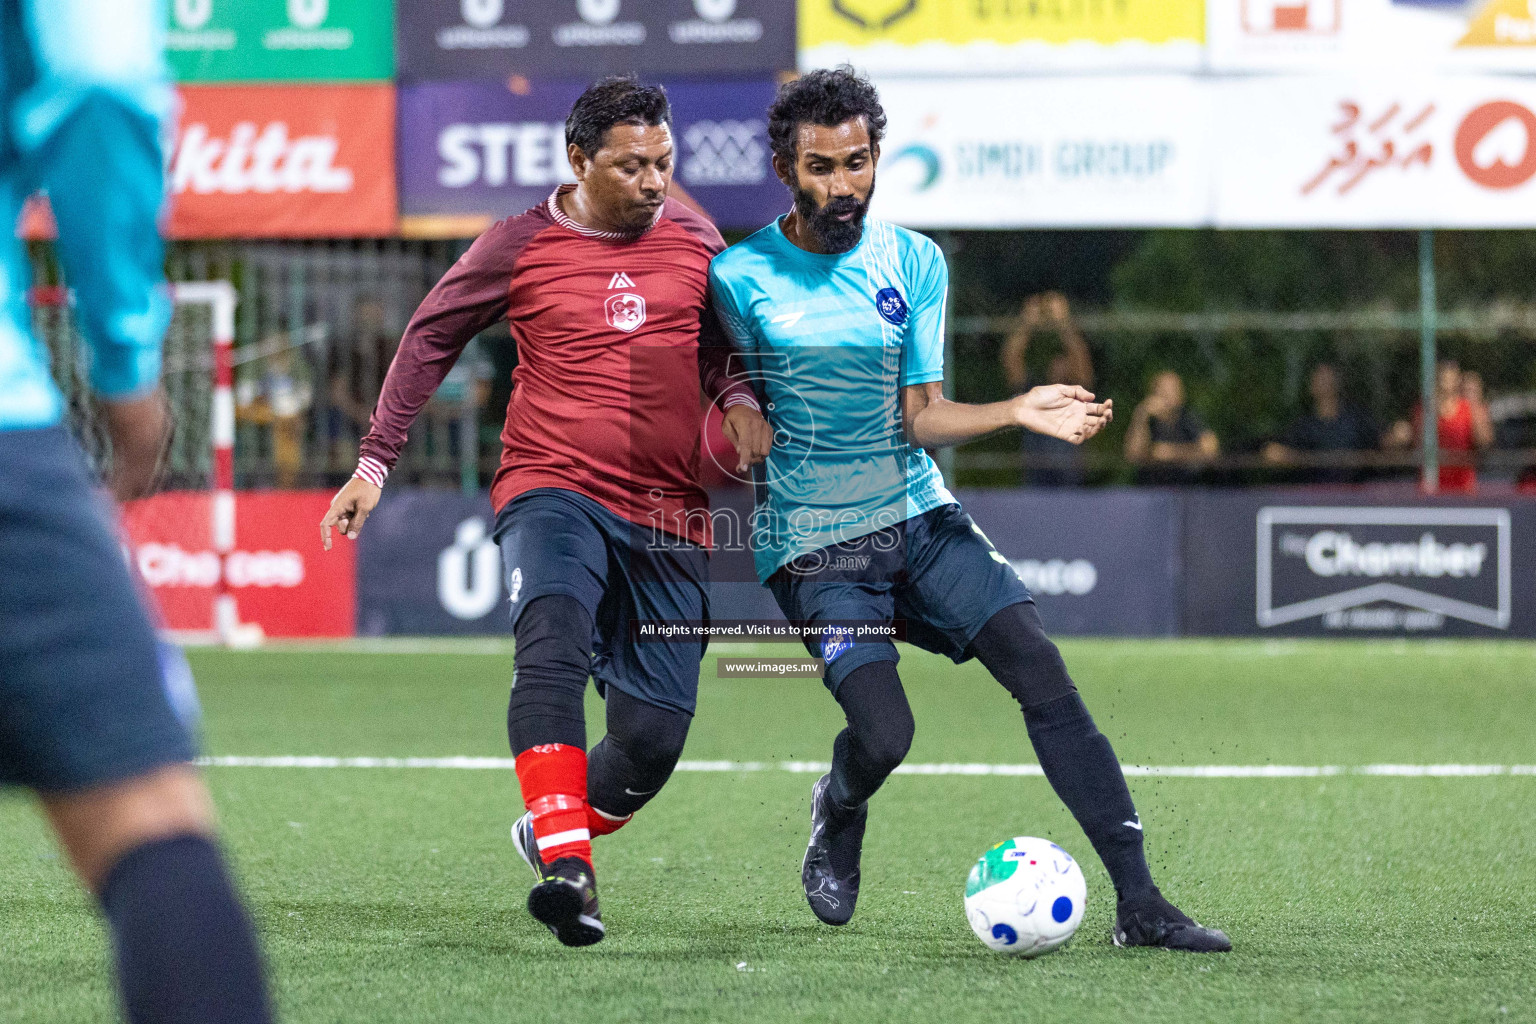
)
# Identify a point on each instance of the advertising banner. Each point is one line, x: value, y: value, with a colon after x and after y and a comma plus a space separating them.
x: 1271, y: 565
x: 1100, y: 563
x: 284, y: 162
x: 1045, y: 152
x: 991, y: 37
x: 473, y: 152
x: 1103, y: 563
x: 446, y: 39
x: 1410, y: 151
x: 281, y: 40
x: 427, y: 566
x: 1350, y: 35
x: 280, y: 577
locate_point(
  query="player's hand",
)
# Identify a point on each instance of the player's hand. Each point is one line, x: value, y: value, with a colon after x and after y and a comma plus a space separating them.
x: 349, y: 509
x: 1032, y: 312
x: 1056, y: 309
x: 1064, y: 411
x: 139, y: 429
x: 746, y: 428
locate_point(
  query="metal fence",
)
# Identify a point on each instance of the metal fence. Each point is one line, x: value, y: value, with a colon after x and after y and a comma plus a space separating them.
x: 318, y: 321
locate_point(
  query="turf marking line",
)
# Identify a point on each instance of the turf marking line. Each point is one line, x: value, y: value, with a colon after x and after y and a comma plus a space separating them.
x: 1196, y: 771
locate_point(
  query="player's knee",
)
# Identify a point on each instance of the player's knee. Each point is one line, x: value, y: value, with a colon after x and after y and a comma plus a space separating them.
x: 99, y: 826
x: 885, y: 746
x: 651, y: 737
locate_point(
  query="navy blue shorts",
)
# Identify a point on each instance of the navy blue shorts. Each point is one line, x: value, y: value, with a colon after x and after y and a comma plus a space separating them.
x: 86, y: 691
x: 555, y: 541
x: 937, y: 572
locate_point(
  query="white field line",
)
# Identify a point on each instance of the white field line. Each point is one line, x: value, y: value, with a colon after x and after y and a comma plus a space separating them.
x: 1197, y: 771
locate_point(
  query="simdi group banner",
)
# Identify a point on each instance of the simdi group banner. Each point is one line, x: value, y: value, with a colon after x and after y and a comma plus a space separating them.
x: 984, y: 37
x: 447, y: 39
x: 1049, y: 151
x: 473, y: 152
x: 284, y: 162
x: 281, y: 40
x: 1376, y: 151
x: 1348, y: 35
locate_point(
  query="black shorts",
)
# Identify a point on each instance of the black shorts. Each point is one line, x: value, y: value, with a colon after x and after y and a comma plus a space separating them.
x: 937, y: 572
x: 86, y: 688
x: 555, y: 541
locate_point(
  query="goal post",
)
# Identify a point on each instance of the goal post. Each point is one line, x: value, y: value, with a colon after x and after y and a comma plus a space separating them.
x: 196, y: 505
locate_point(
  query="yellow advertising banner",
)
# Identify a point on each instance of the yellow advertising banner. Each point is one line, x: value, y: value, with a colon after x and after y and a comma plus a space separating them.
x: 1001, y: 36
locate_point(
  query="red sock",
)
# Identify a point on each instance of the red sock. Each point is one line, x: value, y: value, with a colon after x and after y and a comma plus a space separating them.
x: 600, y: 824
x: 554, y: 781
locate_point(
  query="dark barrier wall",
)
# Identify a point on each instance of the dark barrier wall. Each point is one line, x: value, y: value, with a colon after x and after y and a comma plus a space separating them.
x: 1107, y: 563
x: 1103, y: 563
x: 1325, y: 564
x: 1099, y: 562
x: 446, y: 39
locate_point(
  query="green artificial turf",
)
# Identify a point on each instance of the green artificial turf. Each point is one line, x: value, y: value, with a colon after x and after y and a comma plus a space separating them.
x: 388, y: 895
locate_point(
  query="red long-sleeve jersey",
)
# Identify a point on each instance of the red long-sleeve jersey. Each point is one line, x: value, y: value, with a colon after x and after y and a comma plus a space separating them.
x: 614, y: 339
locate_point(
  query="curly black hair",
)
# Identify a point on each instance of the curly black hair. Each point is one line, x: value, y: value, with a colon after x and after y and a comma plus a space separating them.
x: 617, y: 99
x: 828, y: 97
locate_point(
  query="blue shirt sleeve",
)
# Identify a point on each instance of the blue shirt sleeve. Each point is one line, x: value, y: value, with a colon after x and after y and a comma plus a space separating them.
x: 737, y: 325
x: 922, y: 356
x: 90, y: 130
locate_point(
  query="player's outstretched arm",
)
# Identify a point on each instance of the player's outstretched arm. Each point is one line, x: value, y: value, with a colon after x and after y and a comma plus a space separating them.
x: 350, y: 509
x: 1057, y: 410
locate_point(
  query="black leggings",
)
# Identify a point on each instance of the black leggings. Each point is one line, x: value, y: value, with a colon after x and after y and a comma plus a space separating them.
x: 552, y: 663
x: 1014, y: 648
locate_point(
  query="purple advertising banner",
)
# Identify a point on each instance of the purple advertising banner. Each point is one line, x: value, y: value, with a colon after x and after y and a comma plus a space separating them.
x: 441, y: 40
x: 473, y: 152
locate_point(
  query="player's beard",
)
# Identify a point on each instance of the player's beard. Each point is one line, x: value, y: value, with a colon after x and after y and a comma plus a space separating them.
x: 835, y: 235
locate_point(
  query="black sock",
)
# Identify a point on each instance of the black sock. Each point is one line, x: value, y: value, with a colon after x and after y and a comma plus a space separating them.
x: 186, y: 952
x: 1082, y: 769
x: 878, y: 735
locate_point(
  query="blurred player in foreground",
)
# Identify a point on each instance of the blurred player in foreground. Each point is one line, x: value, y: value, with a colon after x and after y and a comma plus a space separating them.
x: 88, y: 699
x: 843, y: 318
x: 599, y: 513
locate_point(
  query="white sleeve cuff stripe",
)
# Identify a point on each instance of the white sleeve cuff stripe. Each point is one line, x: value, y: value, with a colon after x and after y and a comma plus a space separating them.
x: 574, y: 835
x: 372, y: 470
x: 741, y: 398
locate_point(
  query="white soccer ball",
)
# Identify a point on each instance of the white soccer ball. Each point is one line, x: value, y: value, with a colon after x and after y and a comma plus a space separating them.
x: 1025, y: 897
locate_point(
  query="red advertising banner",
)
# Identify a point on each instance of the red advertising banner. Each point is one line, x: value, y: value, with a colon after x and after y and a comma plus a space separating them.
x: 280, y: 577
x: 273, y: 161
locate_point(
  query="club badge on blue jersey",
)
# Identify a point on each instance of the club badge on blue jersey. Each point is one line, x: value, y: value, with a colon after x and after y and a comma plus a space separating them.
x: 837, y: 641
x: 892, y: 307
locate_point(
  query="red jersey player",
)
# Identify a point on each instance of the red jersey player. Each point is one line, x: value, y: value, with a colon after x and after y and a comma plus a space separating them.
x: 599, y: 514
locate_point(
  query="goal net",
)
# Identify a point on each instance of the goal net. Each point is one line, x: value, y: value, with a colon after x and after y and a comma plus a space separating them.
x: 179, y: 540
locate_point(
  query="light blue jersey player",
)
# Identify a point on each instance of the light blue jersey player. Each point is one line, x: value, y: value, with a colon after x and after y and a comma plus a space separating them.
x: 87, y: 715
x: 840, y: 323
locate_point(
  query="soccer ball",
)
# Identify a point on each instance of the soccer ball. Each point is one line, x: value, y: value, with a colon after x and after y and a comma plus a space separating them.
x: 1025, y: 897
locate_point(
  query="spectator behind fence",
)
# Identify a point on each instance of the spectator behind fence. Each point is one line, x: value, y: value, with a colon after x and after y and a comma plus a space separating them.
x: 357, y: 367
x: 275, y: 393
x: 1464, y: 426
x: 1333, y: 425
x: 1167, y: 442
x: 1048, y: 462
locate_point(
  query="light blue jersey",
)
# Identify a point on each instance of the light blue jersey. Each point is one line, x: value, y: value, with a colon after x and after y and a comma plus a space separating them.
x: 830, y: 341
x: 85, y: 98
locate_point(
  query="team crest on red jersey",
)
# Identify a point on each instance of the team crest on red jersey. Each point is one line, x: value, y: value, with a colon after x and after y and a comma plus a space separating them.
x: 626, y: 311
